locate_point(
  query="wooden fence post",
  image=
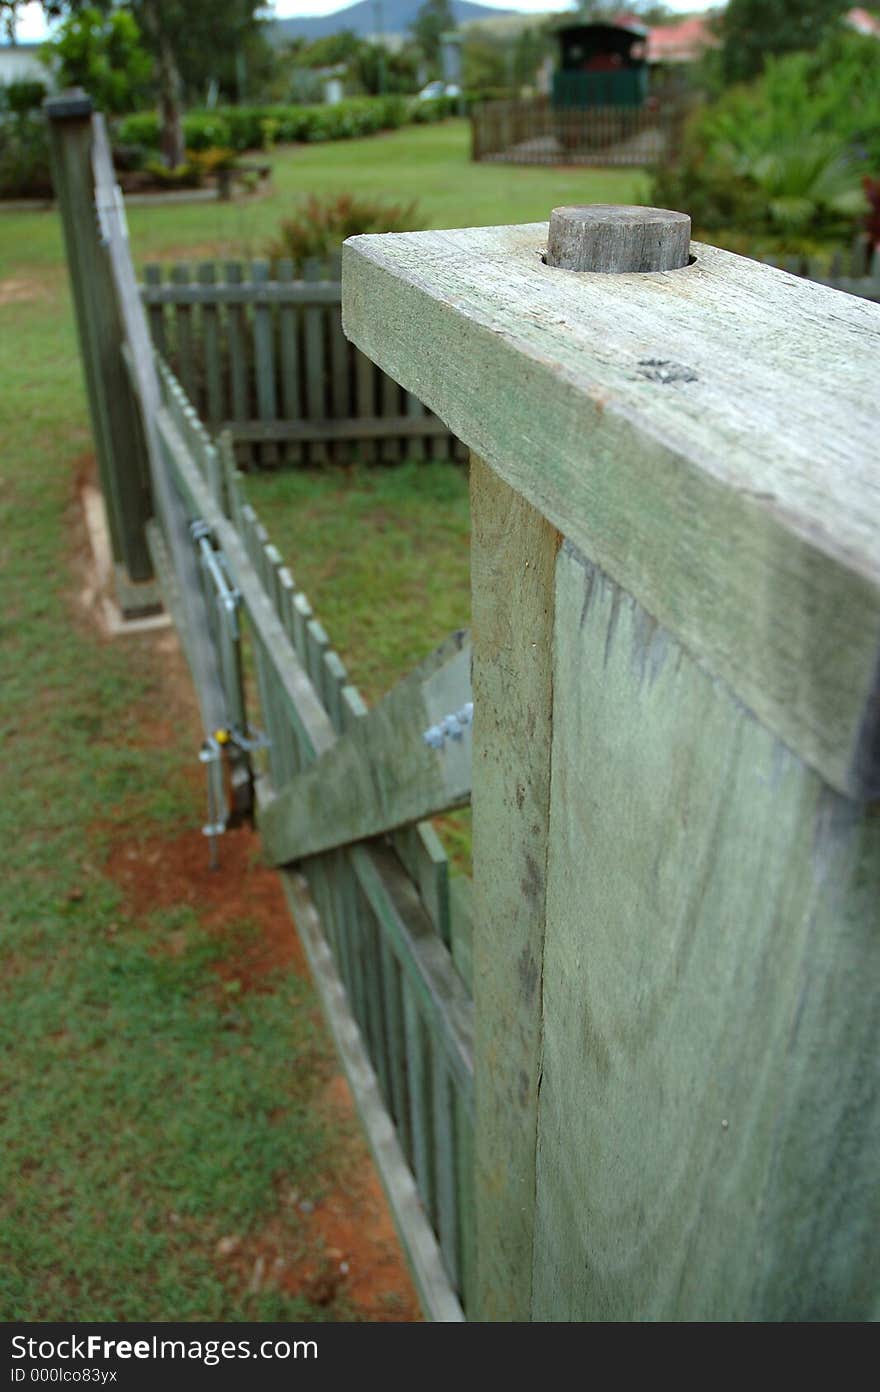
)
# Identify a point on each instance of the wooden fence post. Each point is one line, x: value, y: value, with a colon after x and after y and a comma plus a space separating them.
x: 676, y: 649
x: 116, y: 427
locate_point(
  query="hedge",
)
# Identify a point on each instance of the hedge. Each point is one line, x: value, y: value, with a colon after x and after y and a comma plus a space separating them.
x: 247, y: 127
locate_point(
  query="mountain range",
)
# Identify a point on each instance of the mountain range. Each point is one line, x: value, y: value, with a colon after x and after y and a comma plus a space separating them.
x: 397, y: 16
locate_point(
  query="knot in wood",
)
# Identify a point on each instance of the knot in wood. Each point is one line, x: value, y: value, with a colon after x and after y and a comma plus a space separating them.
x: 604, y: 237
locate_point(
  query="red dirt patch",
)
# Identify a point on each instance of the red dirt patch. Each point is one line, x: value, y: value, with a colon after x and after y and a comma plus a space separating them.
x: 159, y: 873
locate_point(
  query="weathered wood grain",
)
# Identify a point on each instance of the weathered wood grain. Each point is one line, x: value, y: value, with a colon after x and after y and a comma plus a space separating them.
x: 120, y: 455
x: 512, y: 564
x: 382, y: 774
x: 708, y: 1128
x: 615, y: 239
x: 707, y: 435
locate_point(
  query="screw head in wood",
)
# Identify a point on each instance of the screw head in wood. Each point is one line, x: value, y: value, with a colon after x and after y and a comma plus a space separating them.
x: 610, y: 238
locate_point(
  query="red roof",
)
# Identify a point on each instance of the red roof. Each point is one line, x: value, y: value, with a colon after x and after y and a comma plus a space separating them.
x: 864, y: 22
x: 680, y: 43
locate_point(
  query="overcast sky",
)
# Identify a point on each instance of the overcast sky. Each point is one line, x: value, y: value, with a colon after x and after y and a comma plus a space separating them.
x: 32, y: 26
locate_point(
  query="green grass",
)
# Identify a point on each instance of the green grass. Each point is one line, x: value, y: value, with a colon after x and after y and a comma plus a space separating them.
x: 383, y: 553
x: 429, y: 163
x: 146, y: 1111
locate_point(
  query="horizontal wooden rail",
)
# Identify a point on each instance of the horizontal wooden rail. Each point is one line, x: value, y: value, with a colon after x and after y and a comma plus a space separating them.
x: 668, y: 464
x: 382, y: 775
x: 324, y: 292
x: 358, y: 428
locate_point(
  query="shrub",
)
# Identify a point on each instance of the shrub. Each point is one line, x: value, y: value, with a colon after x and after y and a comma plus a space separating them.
x: 24, y: 157
x: 211, y: 161
x: 321, y: 225
x: 782, y: 160
x: 246, y: 127
x: 183, y: 176
x: 21, y: 97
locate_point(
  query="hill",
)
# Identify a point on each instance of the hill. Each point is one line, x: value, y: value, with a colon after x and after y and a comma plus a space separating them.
x: 397, y: 17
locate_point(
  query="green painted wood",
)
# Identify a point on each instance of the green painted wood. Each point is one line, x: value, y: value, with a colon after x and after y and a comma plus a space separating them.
x: 184, y: 337
x: 392, y: 407
x: 315, y: 730
x: 299, y: 755
x: 370, y: 936
x: 288, y: 335
x: 271, y: 702
x: 317, y: 644
x: 461, y: 914
x: 264, y: 362
x: 302, y: 616
x: 513, y: 555
x: 242, y: 292
x: 230, y: 487
x: 357, y: 429
x: 335, y: 683
x: 237, y: 338
x: 215, y: 397
x: 444, y: 1167
x: 422, y: 853
x: 395, y: 1045
x: 286, y: 761
x: 353, y: 709
x: 314, y: 348
x: 366, y: 381
x: 440, y: 997
x: 465, y: 1204
x: 156, y: 313
x: 438, y: 1299
x: 382, y: 775
x: 416, y: 411
x: 340, y: 387
x: 748, y: 529
x: 122, y: 463
x: 421, y: 1109
x: 708, y: 1125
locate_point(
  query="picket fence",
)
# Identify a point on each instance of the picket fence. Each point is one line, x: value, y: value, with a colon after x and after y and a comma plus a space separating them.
x: 652, y: 1096
x: 260, y: 352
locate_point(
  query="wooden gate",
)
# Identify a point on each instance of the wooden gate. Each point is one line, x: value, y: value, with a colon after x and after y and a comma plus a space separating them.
x: 661, y: 1102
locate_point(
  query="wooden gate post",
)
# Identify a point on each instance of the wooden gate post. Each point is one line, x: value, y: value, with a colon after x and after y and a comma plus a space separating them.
x: 116, y: 428
x: 676, y: 672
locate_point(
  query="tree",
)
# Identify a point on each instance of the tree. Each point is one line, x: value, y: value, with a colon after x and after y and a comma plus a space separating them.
x: 433, y: 20
x: 752, y: 30
x: 102, y: 52
x: 190, y: 41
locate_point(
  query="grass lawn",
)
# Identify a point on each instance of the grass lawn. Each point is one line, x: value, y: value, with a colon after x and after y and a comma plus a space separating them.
x: 165, y: 1128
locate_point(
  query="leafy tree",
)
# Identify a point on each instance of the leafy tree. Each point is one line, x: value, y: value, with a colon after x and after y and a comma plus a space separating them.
x: 190, y: 41
x: 328, y: 51
x: 102, y: 52
x: 434, y: 19
x: 753, y: 30
x: 378, y: 71
x: 785, y: 157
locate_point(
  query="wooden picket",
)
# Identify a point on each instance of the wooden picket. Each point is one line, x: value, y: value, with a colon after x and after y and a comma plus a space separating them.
x: 384, y: 912
x: 261, y: 353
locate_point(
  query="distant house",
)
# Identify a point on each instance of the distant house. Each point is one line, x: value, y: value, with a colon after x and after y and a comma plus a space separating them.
x: 20, y: 62
x: 863, y: 22
x: 601, y: 65
x: 680, y: 43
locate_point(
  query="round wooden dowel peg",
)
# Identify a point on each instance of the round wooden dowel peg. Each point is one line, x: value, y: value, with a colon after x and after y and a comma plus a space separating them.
x: 602, y: 237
